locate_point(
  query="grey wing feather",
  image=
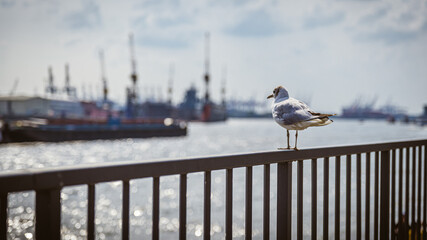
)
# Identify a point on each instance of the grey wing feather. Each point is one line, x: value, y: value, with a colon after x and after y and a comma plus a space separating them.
x: 291, y: 112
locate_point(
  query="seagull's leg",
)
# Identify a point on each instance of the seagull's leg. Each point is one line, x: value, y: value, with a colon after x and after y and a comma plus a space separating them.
x: 296, y: 138
x: 289, y: 146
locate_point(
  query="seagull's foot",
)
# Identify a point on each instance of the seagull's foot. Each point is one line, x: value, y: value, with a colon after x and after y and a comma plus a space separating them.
x: 296, y: 149
x: 288, y: 148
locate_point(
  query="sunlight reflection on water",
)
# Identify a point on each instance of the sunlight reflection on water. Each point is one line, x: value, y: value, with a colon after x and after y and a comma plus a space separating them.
x: 234, y: 136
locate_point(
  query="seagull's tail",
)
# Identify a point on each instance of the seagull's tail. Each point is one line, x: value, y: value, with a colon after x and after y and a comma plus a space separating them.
x: 321, y: 119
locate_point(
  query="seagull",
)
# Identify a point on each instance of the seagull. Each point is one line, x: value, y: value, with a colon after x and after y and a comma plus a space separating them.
x: 293, y: 114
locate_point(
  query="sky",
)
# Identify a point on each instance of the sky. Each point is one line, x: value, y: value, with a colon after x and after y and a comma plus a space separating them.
x: 328, y: 53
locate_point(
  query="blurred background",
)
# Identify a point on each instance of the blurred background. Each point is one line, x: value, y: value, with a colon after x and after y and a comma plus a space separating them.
x: 327, y: 52
x: 197, y: 74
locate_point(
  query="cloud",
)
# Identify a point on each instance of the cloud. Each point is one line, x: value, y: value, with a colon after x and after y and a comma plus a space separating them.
x: 319, y: 19
x: 406, y: 27
x: 389, y: 35
x: 163, y: 41
x: 163, y: 32
x: 7, y: 3
x: 375, y: 16
x: 159, y: 4
x: 257, y: 23
x: 87, y: 17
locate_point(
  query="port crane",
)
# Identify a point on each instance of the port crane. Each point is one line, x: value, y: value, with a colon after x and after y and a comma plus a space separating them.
x: 103, y: 76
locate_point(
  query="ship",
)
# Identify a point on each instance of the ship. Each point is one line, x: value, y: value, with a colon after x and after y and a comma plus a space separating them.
x: 149, y: 108
x: 211, y: 111
x: 360, y: 110
x: 190, y: 109
x: 59, y: 130
x: 205, y: 110
x: 54, y: 119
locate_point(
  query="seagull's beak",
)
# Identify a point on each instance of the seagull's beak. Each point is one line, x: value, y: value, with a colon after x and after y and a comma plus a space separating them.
x: 270, y: 96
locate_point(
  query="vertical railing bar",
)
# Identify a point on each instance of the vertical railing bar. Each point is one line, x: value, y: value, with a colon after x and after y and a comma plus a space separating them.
x: 358, y: 197
x: 3, y: 215
x: 183, y: 206
x: 326, y: 198
x: 314, y: 198
x: 368, y: 196
x: 207, y: 207
x: 393, y: 193
x: 300, y: 199
x: 266, y: 212
x: 385, y: 195
x: 414, y: 172
x: 156, y: 208
x: 419, y: 194
x: 348, y: 198
x: 406, y: 230
x: 248, y: 205
x: 284, y: 200
x: 229, y: 205
x: 48, y: 214
x: 400, y: 200
x: 376, y: 183
x: 337, y: 196
x: 425, y: 194
x: 125, y: 210
x: 91, y: 212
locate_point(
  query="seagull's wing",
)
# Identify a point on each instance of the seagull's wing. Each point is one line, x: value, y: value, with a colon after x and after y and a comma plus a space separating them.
x: 321, y: 115
x: 291, y: 111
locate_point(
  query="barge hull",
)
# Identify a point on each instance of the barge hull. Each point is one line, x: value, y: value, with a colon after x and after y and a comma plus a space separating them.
x: 39, y: 135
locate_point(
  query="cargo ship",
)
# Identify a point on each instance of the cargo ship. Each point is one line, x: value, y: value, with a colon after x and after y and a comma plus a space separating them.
x: 57, y: 118
x: 57, y: 130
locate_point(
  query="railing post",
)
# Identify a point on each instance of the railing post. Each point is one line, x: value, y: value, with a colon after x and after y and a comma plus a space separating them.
x: 48, y: 214
x: 229, y: 205
x: 284, y: 200
x: 91, y: 212
x: 248, y: 204
x: 385, y: 195
x: 207, y: 207
x: 266, y: 212
x: 156, y: 208
x: 183, y: 207
x: 3, y: 215
x: 125, y: 210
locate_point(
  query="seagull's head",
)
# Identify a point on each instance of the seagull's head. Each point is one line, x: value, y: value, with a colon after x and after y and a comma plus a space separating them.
x: 278, y: 93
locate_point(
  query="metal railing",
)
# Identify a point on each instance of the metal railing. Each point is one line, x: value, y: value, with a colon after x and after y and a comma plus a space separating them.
x: 47, y: 183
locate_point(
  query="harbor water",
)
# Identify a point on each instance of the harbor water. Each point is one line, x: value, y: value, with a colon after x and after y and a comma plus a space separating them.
x: 230, y: 137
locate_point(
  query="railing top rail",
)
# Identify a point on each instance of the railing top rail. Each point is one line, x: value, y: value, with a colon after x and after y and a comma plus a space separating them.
x: 50, y: 178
